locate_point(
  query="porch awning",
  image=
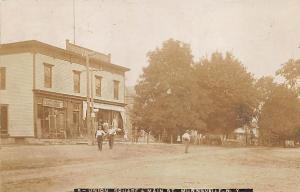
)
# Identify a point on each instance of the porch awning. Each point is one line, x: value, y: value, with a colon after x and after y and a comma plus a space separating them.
x: 103, y: 106
x: 109, y: 107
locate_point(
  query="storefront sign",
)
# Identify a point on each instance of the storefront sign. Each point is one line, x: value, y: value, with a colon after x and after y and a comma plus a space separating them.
x: 109, y: 107
x: 53, y: 103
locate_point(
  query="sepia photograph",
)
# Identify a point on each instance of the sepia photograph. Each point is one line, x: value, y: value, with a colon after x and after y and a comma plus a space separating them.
x: 149, y: 95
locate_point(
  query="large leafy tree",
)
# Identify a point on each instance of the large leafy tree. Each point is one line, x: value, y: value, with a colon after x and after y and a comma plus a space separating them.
x: 232, y: 91
x: 279, y: 118
x: 167, y: 96
x: 279, y: 109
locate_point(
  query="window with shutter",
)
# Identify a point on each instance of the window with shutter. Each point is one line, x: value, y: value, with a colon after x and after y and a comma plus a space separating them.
x: 48, y: 75
x: 76, y: 80
x: 2, y: 77
x: 116, y: 89
x: 98, y: 85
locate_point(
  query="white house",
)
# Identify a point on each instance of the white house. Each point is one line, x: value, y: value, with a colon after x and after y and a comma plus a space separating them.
x: 43, y: 90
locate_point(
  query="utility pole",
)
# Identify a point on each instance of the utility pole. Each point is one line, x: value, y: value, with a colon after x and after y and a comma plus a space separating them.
x: 89, y: 98
x: 88, y: 115
x: 92, y: 105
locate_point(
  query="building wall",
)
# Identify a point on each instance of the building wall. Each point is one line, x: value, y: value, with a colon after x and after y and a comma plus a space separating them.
x: 18, y: 93
x: 62, y: 79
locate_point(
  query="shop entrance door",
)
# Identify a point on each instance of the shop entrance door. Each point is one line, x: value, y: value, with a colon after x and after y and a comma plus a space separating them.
x: 76, y: 131
x: 60, y: 124
x: 57, y: 124
x: 52, y: 123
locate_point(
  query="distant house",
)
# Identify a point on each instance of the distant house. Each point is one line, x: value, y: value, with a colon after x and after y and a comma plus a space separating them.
x: 43, y: 91
x: 241, y: 133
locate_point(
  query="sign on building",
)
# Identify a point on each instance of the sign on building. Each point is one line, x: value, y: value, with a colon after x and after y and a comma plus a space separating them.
x: 53, y: 103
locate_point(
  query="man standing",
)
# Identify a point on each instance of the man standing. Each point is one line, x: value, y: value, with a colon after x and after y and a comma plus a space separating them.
x: 111, y: 134
x: 186, y: 138
x: 99, y: 136
x: 178, y: 139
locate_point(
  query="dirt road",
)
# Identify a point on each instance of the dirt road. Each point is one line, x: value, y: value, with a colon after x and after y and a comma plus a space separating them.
x: 65, y: 167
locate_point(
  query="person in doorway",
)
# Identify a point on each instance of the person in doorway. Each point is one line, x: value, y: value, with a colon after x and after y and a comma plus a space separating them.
x: 105, y: 126
x: 186, y: 138
x: 100, y: 136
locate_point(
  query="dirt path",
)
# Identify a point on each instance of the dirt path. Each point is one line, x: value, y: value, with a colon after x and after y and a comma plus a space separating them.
x: 63, y: 168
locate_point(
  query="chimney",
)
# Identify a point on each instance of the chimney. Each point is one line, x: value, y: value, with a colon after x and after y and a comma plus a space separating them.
x: 67, y: 43
x: 109, y: 57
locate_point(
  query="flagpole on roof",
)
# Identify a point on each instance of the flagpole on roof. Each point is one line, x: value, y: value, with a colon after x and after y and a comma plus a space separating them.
x: 74, y: 22
x: 1, y: 20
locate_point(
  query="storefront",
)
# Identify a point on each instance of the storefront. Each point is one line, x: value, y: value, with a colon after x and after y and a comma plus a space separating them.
x: 58, y: 117
x: 51, y: 118
x: 112, y: 114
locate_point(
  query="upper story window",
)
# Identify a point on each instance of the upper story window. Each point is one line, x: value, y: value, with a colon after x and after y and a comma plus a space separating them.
x: 47, y: 75
x: 2, y: 77
x: 3, y: 119
x: 98, y: 80
x: 116, y: 89
x: 76, y: 81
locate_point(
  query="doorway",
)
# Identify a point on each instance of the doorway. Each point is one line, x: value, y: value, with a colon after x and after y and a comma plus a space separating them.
x: 53, y: 123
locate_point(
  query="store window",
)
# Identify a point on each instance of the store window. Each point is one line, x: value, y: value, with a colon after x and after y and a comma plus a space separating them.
x: 3, y: 119
x: 75, y: 127
x: 98, y: 85
x: 76, y: 80
x: 2, y: 77
x: 39, y: 111
x: 75, y: 117
x: 116, y: 89
x: 47, y: 75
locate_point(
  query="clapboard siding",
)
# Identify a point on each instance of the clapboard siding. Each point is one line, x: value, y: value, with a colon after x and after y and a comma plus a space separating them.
x: 18, y: 93
x: 62, y: 79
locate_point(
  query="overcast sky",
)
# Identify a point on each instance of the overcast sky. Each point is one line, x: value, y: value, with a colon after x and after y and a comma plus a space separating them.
x: 262, y: 34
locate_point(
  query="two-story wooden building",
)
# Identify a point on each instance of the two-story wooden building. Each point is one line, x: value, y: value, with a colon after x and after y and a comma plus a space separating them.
x: 43, y: 90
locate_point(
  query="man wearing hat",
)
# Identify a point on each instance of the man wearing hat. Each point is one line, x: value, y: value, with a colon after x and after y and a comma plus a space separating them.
x: 186, y: 138
x: 100, y: 136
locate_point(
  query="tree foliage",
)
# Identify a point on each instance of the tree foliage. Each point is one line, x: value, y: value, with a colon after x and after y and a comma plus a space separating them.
x: 279, y: 110
x: 166, y: 98
x: 231, y: 89
x: 291, y: 72
x: 279, y: 118
x: 265, y: 86
x: 215, y: 95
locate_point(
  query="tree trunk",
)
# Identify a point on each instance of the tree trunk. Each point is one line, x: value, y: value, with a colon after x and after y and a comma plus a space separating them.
x: 148, y: 134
